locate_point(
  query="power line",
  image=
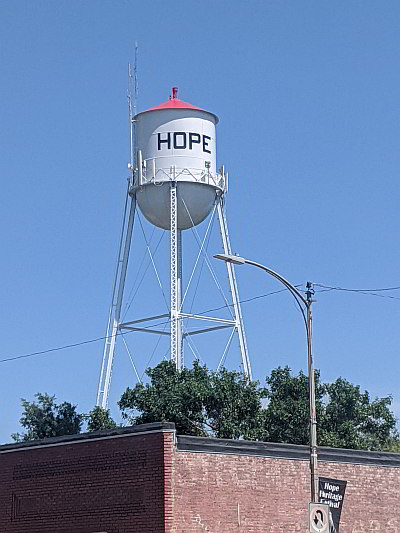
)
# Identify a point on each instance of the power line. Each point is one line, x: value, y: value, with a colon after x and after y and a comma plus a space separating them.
x: 358, y: 290
x: 245, y: 301
x: 325, y: 288
x: 367, y: 292
x: 97, y: 339
x: 74, y: 345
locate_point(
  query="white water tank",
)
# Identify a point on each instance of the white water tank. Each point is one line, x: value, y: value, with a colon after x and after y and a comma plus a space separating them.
x: 177, y: 142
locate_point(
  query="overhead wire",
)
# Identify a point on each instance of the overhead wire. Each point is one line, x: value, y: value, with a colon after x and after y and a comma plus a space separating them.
x: 97, y: 339
x: 245, y: 301
x: 75, y: 344
x: 367, y: 292
x: 397, y: 288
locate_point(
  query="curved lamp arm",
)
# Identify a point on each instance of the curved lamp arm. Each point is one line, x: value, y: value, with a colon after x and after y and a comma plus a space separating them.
x: 237, y: 260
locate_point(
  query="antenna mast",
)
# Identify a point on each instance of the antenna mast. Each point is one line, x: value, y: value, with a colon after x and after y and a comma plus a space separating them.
x: 114, y: 317
x: 132, y: 103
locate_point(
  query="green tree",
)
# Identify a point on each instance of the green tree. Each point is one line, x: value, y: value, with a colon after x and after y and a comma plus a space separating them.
x: 352, y: 420
x: 346, y: 417
x: 393, y: 445
x: 286, y: 418
x: 225, y: 404
x: 171, y: 396
x: 46, y: 418
x: 100, y: 418
x: 222, y: 404
x: 233, y: 406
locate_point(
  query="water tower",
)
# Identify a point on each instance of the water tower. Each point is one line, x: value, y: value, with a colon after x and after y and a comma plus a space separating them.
x: 175, y: 183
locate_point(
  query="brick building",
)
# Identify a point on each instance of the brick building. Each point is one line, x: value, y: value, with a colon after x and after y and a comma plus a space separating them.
x: 145, y: 479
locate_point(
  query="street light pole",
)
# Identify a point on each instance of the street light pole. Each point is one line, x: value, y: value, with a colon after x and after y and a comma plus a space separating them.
x: 307, y: 302
x: 311, y: 395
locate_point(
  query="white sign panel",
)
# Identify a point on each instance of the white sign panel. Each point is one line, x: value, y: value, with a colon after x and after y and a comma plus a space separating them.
x: 318, y: 517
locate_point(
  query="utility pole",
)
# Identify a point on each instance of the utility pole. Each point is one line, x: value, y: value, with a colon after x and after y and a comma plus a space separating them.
x: 311, y: 395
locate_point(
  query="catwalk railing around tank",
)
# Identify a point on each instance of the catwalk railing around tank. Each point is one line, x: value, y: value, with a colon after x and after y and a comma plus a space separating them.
x: 147, y: 173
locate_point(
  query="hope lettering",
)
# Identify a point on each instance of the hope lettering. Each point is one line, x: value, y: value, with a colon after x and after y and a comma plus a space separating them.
x: 181, y: 140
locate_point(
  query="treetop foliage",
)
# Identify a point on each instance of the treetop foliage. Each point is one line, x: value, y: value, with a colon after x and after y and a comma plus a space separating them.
x: 225, y: 404
x: 286, y: 418
x: 352, y: 420
x: 100, y: 418
x: 200, y: 402
x: 45, y: 418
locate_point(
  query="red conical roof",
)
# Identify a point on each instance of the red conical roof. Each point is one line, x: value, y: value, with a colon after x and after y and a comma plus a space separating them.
x: 175, y: 103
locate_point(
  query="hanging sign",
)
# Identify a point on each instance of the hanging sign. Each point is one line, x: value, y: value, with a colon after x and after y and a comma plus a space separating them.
x: 331, y: 492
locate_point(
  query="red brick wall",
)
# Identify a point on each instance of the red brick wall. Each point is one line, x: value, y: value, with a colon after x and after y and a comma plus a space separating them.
x: 113, y: 485
x: 219, y: 493
x: 169, y: 502
x: 140, y: 480
x: 372, y: 497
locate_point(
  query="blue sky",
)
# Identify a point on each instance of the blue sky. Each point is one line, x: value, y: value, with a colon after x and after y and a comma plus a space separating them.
x: 308, y: 98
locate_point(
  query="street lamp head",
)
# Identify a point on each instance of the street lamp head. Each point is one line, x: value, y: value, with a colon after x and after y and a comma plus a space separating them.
x: 235, y: 259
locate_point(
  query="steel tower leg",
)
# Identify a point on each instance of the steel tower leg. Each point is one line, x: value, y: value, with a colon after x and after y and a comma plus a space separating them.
x: 234, y: 290
x: 179, y: 299
x: 176, y: 281
x: 115, y: 312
